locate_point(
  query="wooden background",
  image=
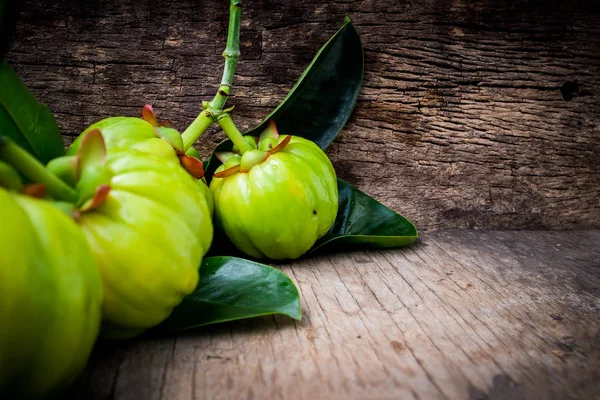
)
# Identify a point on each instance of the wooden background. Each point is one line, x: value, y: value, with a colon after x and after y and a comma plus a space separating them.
x: 473, y: 114
x: 461, y: 121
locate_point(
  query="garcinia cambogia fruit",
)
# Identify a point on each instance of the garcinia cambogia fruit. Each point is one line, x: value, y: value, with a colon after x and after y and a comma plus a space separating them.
x: 149, y: 226
x: 146, y: 134
x: 278, y: 198
x: 50, y: 301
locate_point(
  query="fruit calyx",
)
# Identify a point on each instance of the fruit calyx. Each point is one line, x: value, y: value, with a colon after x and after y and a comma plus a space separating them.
x: 37, y: 190
x: 149, y: 116
x: 92, y: 178
x: 166, y: 131
x: 267, y: 143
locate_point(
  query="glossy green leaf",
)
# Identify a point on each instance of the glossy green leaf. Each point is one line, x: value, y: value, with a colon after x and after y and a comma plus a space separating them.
x: 24, y: 120
x: 232, y: 288
x: 9, y: 10
x: 322, y: 100
x: 363, y: 220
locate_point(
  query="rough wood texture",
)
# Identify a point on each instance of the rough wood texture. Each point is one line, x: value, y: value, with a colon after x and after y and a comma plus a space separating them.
x: 461, y: 122
x: 462, y: 315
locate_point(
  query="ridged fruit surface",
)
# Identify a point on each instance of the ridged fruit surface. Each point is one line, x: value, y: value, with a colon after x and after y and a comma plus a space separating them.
x: 50, y: 301
x: 149, y: 236
x: 280, y: 206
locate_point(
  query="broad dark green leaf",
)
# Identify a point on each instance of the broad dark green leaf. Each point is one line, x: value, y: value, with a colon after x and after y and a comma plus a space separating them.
x: 363, y: 220
x: 321, y: 101
x: 27, y: 122
x: 9, y: 10
x: 232, y: 288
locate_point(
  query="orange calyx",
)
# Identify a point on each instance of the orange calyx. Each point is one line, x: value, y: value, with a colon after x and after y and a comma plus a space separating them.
x: 227, y: 172
x: 281, y: 145
x: 192, y: 165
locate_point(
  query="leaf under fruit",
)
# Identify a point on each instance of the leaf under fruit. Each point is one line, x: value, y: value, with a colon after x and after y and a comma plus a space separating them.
x: 232, y: 288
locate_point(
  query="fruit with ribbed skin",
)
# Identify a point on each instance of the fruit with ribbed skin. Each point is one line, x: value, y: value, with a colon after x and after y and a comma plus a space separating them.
x: 147, y: 135
x: 119, y: 132
x: 149, y: 226
x: 51, y: 298
x: 276, y: 200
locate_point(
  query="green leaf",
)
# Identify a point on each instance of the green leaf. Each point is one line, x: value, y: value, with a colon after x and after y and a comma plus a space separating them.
x: 322, y: 100
x: 363, y: 220
x: 232, y: 288
x: 24, y: 120
x: 9, y: 11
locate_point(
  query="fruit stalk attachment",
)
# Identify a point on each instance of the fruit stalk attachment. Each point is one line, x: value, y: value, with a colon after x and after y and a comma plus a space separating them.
x: 226, y: 123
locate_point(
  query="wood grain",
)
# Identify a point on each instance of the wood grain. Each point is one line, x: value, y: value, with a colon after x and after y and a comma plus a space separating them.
x: 461, y: 315
x: 461, y: 121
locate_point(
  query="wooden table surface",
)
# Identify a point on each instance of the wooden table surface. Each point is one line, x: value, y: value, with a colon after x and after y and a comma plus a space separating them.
x: 463, y: 314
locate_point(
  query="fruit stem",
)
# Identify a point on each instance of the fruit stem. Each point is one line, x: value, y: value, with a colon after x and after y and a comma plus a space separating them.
x: 196, y: 129
x: 214, y: 109
x: 34, y: 170
x: 231, y: 54
x: 226, y: 123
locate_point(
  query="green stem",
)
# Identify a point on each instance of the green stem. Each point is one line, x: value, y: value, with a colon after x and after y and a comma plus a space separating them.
x: 34, y: 170
x: 196, y: 129
x: 214, y: 109
x: 226, y: 123
x: 231, y: 54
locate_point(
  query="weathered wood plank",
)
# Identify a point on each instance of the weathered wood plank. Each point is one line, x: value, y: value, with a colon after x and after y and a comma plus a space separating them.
x: 461, y: 122
x: 461, y: 315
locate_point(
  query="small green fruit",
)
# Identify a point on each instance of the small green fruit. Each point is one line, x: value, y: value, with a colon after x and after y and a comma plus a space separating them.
x: 279, y: 203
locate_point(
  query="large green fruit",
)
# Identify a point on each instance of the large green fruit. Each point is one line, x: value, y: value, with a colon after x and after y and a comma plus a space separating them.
x: 278, y: 203
x: 50, y: 298
x: 149, y: 235
x: 137, y: 133
x: 120, y: 132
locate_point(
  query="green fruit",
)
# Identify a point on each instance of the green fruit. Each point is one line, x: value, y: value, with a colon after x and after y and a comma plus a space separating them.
x: 137, y: 133
x: 149, y: 235
x: 120, y: 132
x: 278, y: 204
x: 207, y: 195
x: 51, y: 298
